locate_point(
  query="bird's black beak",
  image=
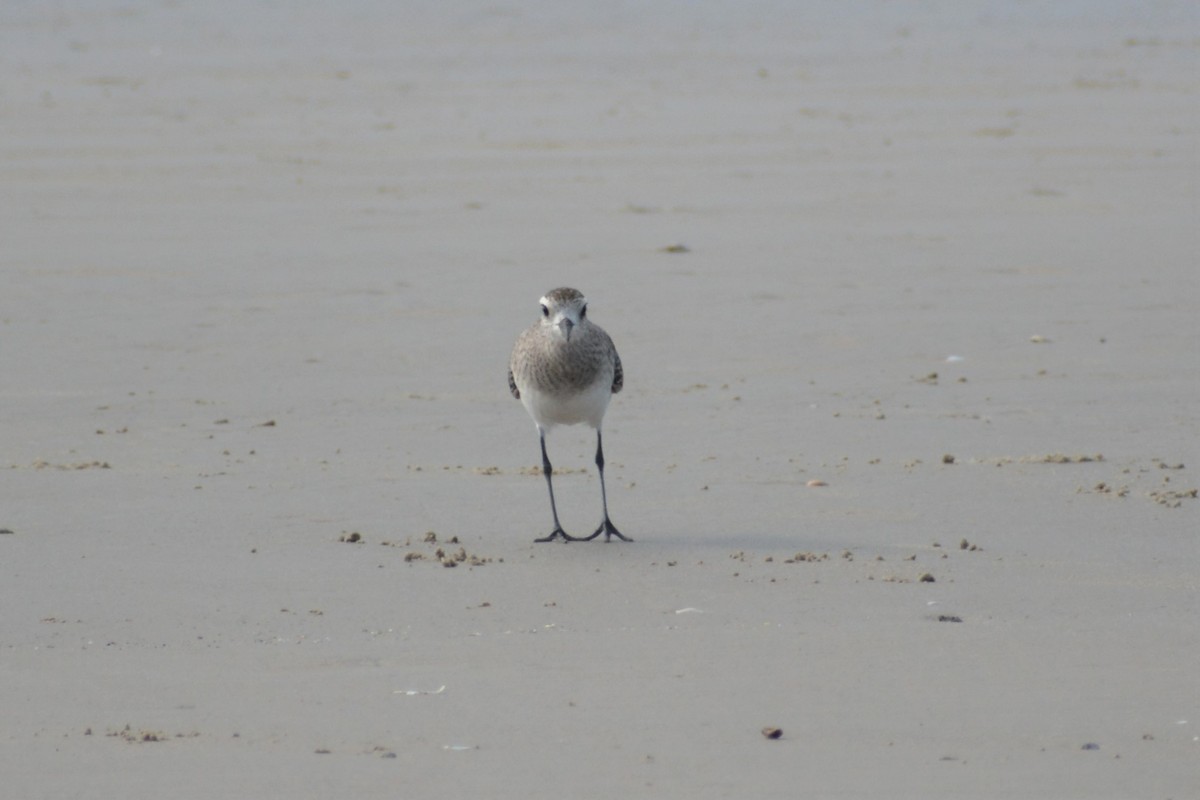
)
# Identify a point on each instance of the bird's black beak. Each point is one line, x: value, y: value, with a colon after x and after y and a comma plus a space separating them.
x: 566, y: 326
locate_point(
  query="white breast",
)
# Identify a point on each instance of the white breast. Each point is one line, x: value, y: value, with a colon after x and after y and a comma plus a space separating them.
x: 587, y: 406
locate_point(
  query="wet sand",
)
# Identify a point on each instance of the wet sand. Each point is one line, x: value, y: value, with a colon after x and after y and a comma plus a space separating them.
x: 908, y: 310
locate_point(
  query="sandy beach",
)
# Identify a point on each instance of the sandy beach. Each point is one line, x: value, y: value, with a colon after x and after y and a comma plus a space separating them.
x: 907, y: 300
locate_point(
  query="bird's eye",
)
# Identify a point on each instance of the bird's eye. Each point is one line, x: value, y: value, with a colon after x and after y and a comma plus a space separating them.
x: 583, y: 312
x: 545, y: 311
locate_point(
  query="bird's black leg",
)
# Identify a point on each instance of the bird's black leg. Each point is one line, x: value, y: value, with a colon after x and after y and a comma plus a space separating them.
x: 606, y: 527
x: 547, y: 470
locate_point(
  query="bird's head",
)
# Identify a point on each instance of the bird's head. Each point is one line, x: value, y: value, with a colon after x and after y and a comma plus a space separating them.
x: 562, y: 310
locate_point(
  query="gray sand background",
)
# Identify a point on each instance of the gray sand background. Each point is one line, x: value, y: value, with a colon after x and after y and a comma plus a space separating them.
x: 261, y: 268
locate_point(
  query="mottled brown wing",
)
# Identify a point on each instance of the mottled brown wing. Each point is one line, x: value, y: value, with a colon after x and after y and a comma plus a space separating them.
x: 618, y: 373
x: 512, y: 386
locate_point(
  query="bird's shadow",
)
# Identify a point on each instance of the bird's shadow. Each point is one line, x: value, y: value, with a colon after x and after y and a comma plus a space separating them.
x: 650, y: 542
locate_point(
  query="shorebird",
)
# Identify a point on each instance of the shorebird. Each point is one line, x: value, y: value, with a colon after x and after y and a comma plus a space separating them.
x: 564, y: 369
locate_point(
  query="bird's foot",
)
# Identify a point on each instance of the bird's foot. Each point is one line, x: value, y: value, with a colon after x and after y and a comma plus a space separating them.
x: 558, y: 533
x: 609, y: 530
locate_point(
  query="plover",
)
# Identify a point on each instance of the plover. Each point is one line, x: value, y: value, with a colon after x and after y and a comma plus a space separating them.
x: 564, y: 369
